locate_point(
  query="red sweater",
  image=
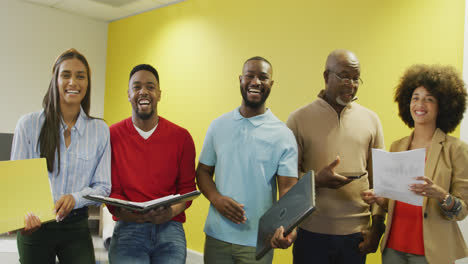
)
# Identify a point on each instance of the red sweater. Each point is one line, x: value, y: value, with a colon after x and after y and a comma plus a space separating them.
x: 161, y: 165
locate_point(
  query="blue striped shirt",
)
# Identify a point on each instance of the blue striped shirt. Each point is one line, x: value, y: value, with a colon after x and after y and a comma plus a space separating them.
x: 84, y: 165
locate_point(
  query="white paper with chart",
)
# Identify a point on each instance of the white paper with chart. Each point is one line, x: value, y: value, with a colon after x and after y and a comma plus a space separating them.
x: 393, y: 172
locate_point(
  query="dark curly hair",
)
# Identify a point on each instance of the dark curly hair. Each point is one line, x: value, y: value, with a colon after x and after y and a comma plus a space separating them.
x: 444, y: 83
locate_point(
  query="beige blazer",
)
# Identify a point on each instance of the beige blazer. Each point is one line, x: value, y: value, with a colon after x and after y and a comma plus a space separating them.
x: 446, y: 166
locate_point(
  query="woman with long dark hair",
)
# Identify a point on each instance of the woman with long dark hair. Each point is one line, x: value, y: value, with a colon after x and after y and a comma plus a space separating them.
x: 77, y: 149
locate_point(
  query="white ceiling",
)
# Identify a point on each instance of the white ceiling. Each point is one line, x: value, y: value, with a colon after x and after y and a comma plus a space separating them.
x: 104, y: 10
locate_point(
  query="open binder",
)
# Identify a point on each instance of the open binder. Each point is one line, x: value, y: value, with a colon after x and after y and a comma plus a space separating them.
x: 295, y: 206
x: 144, y: 207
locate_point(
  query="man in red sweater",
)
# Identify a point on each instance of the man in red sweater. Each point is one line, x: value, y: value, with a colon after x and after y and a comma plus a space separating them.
x: 151, y: 158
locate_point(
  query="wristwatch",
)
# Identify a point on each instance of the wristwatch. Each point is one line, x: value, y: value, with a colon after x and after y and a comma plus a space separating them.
x: 447, y: 201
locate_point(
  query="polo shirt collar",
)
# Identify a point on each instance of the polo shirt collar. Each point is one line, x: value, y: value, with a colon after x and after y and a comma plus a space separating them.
x: 255, y: 120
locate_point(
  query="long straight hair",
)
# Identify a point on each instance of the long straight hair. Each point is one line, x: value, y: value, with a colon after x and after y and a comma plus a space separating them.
x: 49, y: 138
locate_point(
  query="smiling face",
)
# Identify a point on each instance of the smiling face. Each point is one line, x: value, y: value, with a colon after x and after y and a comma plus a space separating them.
x: 72, y: 82
x: 255, y: 83
x: 424, y: 107
x: 144, y: 94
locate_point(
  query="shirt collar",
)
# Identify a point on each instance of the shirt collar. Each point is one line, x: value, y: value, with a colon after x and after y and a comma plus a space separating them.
x: 255, y: 120
x: 80, y: 123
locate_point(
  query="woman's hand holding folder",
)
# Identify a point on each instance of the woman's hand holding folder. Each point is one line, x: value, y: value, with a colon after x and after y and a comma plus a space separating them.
x: 31, y: 224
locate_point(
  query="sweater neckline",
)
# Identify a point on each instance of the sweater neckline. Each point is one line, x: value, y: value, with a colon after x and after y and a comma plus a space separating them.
x: 134, y: 132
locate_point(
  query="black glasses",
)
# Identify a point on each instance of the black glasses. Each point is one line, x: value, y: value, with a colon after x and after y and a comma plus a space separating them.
x: 348, y: 80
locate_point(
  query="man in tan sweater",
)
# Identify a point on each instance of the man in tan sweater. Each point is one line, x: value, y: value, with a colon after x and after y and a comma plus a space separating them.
x: 335, y: 135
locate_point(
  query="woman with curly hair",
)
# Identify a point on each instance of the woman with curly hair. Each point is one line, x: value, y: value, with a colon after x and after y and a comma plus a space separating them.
x: 432, y: 100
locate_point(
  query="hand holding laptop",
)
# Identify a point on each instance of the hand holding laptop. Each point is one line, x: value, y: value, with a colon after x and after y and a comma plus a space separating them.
x: 280, y: 241
x: 277, y: 226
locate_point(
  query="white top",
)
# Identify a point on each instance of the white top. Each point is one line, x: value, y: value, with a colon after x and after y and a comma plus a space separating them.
x: 145, y: 134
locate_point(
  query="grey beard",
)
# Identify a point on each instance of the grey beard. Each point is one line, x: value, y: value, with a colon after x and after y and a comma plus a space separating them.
x: 340, y: 102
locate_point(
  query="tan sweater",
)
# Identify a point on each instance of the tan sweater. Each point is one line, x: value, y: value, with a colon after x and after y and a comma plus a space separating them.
x: 322, y: 135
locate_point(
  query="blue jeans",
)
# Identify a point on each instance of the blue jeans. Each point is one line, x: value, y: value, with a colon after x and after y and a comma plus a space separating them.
x: 327, y: 249
x: 148, y: 243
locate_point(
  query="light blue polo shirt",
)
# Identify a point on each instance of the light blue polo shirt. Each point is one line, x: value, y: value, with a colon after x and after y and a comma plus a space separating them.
x: 247, y: 153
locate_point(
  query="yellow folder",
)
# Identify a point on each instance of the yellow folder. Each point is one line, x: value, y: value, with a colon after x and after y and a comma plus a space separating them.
x: 24, y: 188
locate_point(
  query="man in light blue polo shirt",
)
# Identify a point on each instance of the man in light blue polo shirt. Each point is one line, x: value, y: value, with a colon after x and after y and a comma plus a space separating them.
x: 250, y: 151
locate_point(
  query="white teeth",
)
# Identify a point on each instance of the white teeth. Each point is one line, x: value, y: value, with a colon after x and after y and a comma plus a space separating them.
x: 420, y: 112
x: 73, y: 91
x: 145, y: 102
x: 254, y: 91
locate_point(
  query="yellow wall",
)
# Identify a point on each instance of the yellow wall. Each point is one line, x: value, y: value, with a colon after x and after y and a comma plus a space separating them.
x: 198, y: 47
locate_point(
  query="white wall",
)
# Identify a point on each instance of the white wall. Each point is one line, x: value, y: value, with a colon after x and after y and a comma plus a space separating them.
x: 31, y: 37
x: 464, y: 124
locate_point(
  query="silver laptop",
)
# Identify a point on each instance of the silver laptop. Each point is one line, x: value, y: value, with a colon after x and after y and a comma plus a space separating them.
x: 289, y: 212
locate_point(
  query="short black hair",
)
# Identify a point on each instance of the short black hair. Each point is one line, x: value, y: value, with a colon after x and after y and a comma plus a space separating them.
x: 260, y: 59
x: 144, y: 67
x: 444, y: 83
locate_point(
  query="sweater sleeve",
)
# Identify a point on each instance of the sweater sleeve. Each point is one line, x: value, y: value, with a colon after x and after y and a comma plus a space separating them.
x: 378, y: 143
x: 116, y: 190
x: 292, y: 124
x: 186, y: 177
